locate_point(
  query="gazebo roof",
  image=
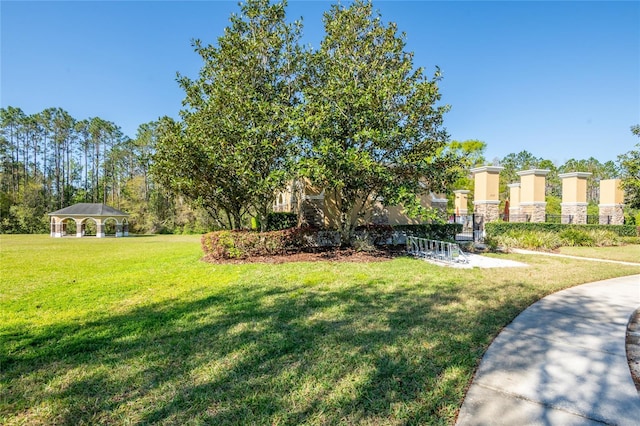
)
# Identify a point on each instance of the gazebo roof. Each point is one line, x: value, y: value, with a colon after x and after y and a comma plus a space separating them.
x: 88, y: 209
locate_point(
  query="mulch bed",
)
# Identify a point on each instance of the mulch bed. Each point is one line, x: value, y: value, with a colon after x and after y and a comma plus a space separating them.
x: 335, y: 255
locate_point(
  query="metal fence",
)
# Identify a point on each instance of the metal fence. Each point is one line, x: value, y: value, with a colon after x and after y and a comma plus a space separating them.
x: 473, y: 224
x: 595, y: 219
x: 515, y: 217
x: 436, y: 250
x: 558, y: 218
x: 472, y: 227
x: 592, y: 219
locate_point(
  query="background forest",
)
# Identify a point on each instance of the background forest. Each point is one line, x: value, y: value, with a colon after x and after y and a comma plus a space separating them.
x: 50, y: 160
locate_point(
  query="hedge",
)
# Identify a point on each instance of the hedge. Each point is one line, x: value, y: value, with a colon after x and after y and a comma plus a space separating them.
x: 277, y: 221
x: 432, y: 231
x: 495, y: 229
x: 244, y: 244
x: 378, y: 235
x: 394, y: 234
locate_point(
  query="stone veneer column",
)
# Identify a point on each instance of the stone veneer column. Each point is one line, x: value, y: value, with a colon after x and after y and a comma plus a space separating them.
x: 574, y: 197
x: 486, y: 192
x: 514, y: 202
x: 611, y: 202
x: 460, y: 203
x: 532, y: 192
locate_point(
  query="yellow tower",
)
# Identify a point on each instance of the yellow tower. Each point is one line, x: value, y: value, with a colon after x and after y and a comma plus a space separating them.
x: 611, y: 202
x: 486, y: 199
x: 574, y: 197
x: 532, y: 192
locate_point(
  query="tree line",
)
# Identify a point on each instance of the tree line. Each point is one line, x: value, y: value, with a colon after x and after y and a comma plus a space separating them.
x: 50, y: 160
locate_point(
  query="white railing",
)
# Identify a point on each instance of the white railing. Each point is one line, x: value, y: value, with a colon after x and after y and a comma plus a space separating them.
x: 436, y: 250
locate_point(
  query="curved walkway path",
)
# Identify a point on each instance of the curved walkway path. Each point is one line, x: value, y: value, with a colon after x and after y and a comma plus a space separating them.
x: 562, y: 361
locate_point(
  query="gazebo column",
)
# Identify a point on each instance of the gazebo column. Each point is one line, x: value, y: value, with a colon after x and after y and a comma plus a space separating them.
x: 126, y: 229
x: 56, y: 227
x: 118, y: 230
x: 99, y: 228
x: 78, y: 228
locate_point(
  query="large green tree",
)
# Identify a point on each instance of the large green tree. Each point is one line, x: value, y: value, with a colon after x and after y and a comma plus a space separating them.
x: 232, y: 151
x: 370, y: 121
x: 630, y: 166
x: 471, y: 153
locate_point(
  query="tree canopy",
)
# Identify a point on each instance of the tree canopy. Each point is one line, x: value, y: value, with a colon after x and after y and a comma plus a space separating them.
x: 371, y: 123
x: 630, y: 168
x: 233, y: 149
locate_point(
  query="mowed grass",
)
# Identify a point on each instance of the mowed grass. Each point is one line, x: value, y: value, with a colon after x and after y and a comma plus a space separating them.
x: 140, y: 331
x: 628, y: 253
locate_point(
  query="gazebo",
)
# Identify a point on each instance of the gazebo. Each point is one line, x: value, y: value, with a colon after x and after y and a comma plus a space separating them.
x: 82, y: 213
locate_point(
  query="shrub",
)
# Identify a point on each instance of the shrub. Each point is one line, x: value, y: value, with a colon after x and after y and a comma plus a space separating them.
x: 630, y: 240
x: 238, y: 244
x: 604, y: 238
x: 498, y: 228
x: 432, y: 231
x: 277, y: 221
x: 541, y: 240
x: 575, y: 237
x: 244, y: 244
x: 529, y: 240
x: 377, y: 235
x: 363, y: 243
x: 550, y: 240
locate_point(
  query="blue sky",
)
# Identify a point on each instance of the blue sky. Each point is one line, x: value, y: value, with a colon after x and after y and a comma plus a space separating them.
x: 559, y: 79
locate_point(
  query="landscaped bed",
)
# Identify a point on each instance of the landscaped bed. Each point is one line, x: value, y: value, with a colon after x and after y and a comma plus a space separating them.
x: 140, y: 330
x: 325, y: 255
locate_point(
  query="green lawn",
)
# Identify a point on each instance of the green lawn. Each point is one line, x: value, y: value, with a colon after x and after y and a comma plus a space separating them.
x: 629, y: 253
x: 138, y: 330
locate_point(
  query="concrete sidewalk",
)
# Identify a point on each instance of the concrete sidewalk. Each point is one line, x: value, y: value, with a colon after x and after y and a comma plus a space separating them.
x: 561, y: 362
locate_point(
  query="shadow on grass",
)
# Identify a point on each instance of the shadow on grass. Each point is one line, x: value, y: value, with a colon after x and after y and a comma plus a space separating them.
x: 360, y: 353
